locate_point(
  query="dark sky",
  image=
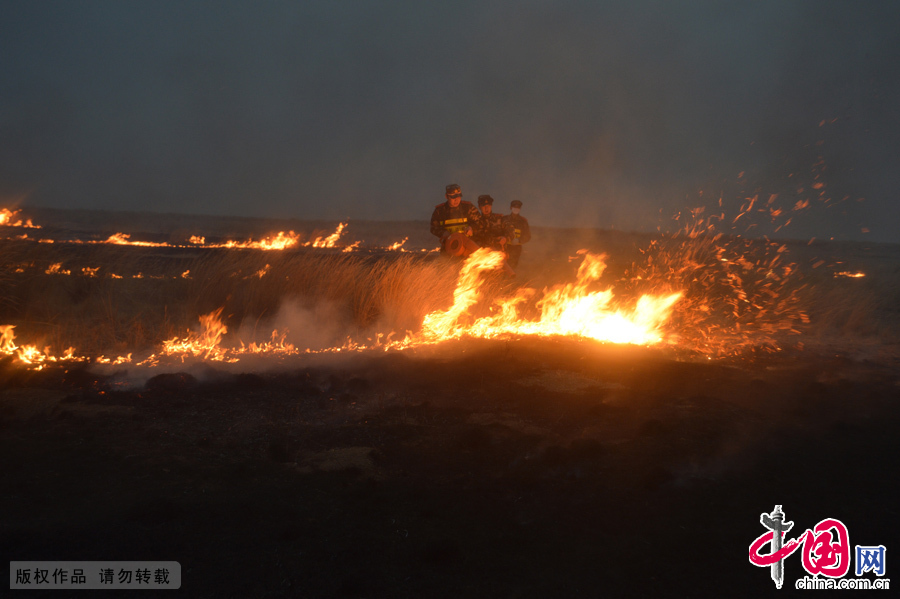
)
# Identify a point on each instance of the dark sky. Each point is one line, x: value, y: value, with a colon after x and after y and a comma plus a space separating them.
x: 608, y: 114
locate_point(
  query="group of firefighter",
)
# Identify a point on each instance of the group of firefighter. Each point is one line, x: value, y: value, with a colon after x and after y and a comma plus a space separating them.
x: 462, y: 228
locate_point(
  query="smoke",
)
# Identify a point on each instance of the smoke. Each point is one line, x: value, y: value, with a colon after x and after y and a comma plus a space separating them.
x: 601, y: 114
x: 317, y: 326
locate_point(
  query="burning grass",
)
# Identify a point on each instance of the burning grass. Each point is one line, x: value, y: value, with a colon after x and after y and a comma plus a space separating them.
x: 704, y: 292
x: 56, y: 303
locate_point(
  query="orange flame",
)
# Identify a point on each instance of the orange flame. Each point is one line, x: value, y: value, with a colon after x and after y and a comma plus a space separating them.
x: 205, y: 344
x: 124, y: 239
x: 327, y: 242
x: 7, y: 216
x: 57, y: 269
x: 7, y: 338
x: 570, y: 309
x: 30, y: 355
x: 280, y: 241
x: 397, y: 246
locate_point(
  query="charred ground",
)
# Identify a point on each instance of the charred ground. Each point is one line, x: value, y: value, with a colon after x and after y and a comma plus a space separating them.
x: 532, y: 469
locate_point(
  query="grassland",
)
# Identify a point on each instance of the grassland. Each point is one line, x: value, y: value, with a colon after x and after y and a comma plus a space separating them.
x: 523, y: 467
x: 114, y: 299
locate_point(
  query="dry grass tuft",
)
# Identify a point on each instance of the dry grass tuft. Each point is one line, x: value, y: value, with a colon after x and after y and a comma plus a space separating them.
x: 366, y: 294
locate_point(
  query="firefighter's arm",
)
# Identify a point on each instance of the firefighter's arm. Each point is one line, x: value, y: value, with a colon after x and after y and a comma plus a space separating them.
x: 526, y: 232
x: 436, y: 228
x: 509, y: 231
x: 475, y: 221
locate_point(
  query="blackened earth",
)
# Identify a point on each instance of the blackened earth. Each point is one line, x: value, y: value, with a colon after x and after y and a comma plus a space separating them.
x: 526, y: 468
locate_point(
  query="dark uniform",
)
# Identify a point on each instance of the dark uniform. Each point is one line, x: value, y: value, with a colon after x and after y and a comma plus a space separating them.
x: 520, y: 233
x: 450, y: 223
x: 491, y: 227
x: 454, y: 220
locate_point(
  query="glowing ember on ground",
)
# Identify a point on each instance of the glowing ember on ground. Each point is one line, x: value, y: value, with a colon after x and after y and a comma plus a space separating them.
x: 57, y: 269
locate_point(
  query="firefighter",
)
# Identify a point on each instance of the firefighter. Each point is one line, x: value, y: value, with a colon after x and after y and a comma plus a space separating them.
x: 455, y: 216
x: 520, y: 232
x: 492, y: 231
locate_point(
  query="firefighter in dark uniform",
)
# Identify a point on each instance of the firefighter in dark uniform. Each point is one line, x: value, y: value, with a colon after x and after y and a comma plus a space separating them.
x: 492, y: 232
x: 520, y: 232
x: 454, y: 216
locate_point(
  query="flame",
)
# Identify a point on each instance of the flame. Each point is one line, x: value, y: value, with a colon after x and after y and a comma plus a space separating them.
x: 204, y: 344
x: 704, y: 290
x: 275, y: 345
x: 7, y: 216
x: 123, y: 239
x: 467, y: 293
x: 119, y: 360
x: 570, y: 309
x: 30, y: 355
x: 397, y: 246
x: 327, y: 242
x: 280, y: 241
x: 7, y: 338
x: 850, y: 275
x: 57, y: 269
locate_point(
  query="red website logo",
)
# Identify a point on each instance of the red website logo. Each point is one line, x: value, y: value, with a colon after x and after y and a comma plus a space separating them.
x: 826, y: 547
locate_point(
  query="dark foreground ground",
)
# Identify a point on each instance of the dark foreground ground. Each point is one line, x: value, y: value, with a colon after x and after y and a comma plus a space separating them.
x: 491, y: 469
